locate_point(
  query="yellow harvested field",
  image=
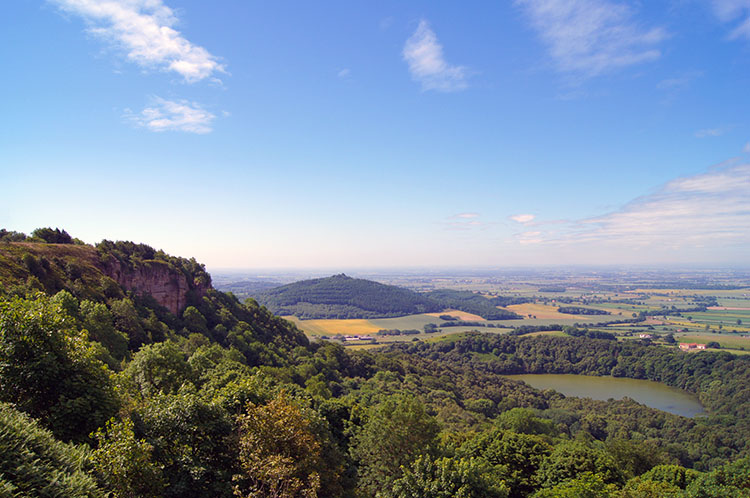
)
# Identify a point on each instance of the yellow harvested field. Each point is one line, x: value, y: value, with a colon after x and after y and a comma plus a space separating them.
x: 681, y: 323
x: 541, y: 311
x: 335, y: 327
x: 461, y: 315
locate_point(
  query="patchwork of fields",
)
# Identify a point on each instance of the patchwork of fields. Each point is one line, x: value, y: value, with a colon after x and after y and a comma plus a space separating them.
x: 361, y: 327
x: 725, y: 321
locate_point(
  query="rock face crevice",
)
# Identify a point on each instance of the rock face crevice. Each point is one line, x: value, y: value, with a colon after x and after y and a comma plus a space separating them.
x: 168, y: 286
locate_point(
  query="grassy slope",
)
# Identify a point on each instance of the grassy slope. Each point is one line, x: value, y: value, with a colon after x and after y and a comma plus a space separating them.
x: 61, y: 259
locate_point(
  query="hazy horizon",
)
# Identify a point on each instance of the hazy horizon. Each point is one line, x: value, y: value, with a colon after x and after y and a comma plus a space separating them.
x: 478, y: 269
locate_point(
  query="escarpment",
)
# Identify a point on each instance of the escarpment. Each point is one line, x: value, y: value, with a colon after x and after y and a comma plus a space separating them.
x: 105, y: 271
x: 170, y: 287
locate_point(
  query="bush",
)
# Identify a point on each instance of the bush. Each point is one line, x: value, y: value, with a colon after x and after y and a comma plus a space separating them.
x: 34, y: 463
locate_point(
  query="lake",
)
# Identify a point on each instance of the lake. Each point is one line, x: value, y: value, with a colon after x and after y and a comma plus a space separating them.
x: 653, y: 394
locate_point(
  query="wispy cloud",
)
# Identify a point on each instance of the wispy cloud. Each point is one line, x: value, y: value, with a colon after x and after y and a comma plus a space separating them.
x: 463, y: 225
x: 144, y: 30
x: 465, y: 221
x: 591, y: 37
x: 673, y: 87
x: 709, y: 132
x: 168, y: 115
x: 746, y: 148
x: 528, y: 238
x: 708, y: 210
x: 523, y: 218
x: 679, y: 82
x: 424, y: 55
x: 344, y: 73
x: 730, y: 11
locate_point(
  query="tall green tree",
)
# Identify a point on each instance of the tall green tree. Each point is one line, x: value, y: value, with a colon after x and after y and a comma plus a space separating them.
x: 194, y: 442
x: 515, y: 458
x: 52, y: 236
x: 49, y: 369
x: 159, y: 368
x: 398, y: 430
x: 571, y: 459
x: 448, y: 478
x: 125, y: 463
x: 280, y: 455
x: 99, y: 323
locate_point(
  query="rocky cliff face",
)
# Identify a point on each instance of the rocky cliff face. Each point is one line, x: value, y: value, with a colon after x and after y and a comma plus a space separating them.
x: 167, y: 286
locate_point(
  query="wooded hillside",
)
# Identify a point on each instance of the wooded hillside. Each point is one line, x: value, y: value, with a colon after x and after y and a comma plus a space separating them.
x: 343, y: 297
x: 108, y: 393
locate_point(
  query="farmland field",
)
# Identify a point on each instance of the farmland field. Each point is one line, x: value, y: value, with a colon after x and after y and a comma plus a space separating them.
x: 726, y: 341
x: 546, y: 311
x: 719, y: 311
x: 461, y: 315
x: 331, y: 328
x: 335, y: 327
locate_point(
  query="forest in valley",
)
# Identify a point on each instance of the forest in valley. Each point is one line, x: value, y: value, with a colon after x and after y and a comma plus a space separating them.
x: 106, y: 392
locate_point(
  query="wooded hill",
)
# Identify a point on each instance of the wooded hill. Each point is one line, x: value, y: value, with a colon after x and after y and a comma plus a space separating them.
x: 105, y: 392
x: 343, y: 297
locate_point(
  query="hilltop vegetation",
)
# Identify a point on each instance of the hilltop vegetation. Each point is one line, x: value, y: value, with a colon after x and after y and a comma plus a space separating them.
x: 112, y: 394
x: 120, y: 317
x: 342, y: 297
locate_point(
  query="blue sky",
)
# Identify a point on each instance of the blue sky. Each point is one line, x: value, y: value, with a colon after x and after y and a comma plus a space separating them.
x: 382, y: 134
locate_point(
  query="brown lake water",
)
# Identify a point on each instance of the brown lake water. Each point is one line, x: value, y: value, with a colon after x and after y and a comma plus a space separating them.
x: 652, y: 394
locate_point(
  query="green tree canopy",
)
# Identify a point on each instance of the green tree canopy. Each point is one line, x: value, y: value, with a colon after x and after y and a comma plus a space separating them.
x: 396, y: 432
x: 49, y: 369
x: 52, y: 236
x: 159, y: 368
x: 280, y: 455
x: 569, y: 460
x: 125, y: 464
x: 448, y: 478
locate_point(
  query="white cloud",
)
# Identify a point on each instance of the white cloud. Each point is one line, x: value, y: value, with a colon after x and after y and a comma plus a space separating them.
x: 465, y: 221
x: 708, y: 211
x: 527, y: 238
x: 591, y: 37
x: 424, y: 54
x: 729, y: 11
x: 523, y: 218
x: 709, y: 132
x: 344, y: 73
x: 143, y: 29
x: 168, y: 115
x: 746, y: 148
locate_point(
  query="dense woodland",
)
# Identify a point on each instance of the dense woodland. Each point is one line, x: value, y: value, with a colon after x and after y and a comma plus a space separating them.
x: 106, y: 393
x: 581, y: 310
x: 342, y: 297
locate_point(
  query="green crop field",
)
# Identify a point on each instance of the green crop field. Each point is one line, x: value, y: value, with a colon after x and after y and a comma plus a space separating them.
x: 726, y: 341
